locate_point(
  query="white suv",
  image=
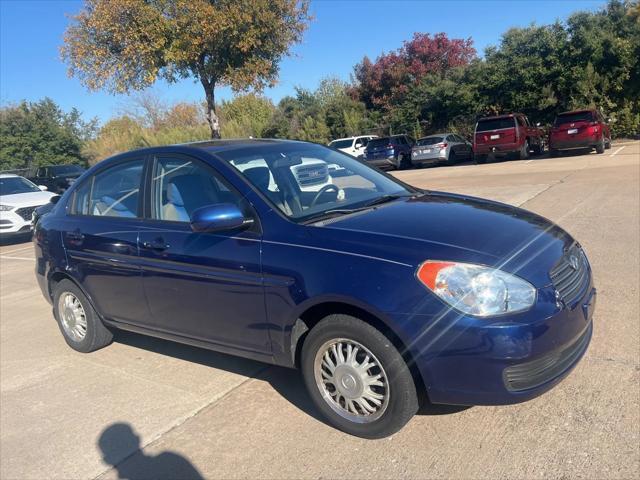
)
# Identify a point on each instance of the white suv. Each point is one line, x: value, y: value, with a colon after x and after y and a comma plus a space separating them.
x: 353, y: 146
x: 18, y: 199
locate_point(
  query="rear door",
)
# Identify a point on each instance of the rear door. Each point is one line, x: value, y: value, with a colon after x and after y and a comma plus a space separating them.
x: 205, y: 286
x: 100, y: 236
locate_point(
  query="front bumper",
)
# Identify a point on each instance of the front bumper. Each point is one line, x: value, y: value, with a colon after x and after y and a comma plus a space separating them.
x: 468, y: 361
x: 12, y: 224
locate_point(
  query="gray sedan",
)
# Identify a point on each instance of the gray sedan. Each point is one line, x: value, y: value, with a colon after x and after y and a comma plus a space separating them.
x: 446, y: 148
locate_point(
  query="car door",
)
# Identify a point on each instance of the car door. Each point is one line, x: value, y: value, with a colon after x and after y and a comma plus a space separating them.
x: 100, y: 235
x: 205, y: 286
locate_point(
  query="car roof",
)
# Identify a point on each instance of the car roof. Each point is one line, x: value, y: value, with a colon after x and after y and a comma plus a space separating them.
x: 437, y: 135
x: 507, y: 115
x: 585, y: 110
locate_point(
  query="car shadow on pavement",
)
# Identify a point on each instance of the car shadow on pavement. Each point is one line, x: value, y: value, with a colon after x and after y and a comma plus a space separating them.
x: 120, y: 447
x: 286, y: 381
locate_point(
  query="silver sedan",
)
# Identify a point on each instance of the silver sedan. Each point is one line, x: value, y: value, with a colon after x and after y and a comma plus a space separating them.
x: 446, y: 148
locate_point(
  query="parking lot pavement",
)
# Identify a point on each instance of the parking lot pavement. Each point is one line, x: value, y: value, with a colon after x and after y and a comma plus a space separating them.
x: 197, y: 413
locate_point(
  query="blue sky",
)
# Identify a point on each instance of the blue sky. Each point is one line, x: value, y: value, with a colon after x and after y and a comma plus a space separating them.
x: 339, y: 36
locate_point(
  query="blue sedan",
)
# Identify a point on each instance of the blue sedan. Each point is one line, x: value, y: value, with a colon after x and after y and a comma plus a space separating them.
x: 383, y: 295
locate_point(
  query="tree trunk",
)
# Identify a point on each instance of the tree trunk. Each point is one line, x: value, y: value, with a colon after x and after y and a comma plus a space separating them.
x: 212, y: 116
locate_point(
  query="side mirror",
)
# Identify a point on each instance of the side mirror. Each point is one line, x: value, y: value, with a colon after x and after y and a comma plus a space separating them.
x: 218, y: 218
x: 43, y: 187
x: 55, y: 199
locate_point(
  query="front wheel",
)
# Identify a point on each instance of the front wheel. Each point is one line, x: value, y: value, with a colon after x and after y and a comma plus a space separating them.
x: 357, y: 378
x: 607, y: 144
x: 523, y: 153
x: 480, y: 159
x: 404, y: 162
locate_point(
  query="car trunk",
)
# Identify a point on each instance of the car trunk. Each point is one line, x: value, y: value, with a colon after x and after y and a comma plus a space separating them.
x: 496, y: 131
x: 575, y: 126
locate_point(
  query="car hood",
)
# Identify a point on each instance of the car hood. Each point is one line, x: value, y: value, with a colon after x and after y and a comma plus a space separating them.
x: 29, y: 199
x: 443, y: 226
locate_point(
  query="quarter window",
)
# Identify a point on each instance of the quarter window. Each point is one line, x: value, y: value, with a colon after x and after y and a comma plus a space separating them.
x: 180, y: 186
x: 113, y: 192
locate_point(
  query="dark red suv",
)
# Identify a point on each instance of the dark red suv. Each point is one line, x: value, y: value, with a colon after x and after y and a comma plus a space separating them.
x: 506, y: 134
x: 579, y: 129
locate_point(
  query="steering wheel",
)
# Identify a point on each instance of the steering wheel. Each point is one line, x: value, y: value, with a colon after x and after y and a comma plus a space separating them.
x: 326, y: 188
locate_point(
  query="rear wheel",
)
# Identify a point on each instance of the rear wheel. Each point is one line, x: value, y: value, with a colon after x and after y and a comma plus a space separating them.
x: 451, y: 159
x: 607, y: 144
x: 523, y: 153
x: 79, y: 323
x: 404, y: 162
x: 600, y: 146
x: 357, y: 378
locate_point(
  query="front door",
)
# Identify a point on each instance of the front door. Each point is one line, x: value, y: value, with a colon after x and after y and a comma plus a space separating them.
x: 203, y: 286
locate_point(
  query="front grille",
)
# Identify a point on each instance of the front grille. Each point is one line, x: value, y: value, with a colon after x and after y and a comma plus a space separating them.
x: 308, y: 175
x: 533, y: 374
x: 26, y: 212
x: 570, y: 276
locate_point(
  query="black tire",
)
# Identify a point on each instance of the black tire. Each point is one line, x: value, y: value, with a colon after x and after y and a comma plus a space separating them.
x: 404, y: 163
x: 480, y: 159
x: 607, y: 144
x: 402, y: 399
x: 600, y: 147
x: 96, y: 335
x: 539, y: 148
x: 554, y: 153
x: 451, y: 159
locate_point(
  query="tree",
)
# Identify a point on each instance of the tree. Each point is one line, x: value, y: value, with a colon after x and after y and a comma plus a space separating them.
x: 125, y: 45
x: 40, y: 133
x: 246, y: 116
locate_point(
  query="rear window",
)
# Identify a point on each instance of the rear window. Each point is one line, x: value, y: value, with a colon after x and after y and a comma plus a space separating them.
x: 573, y: 118
x: 378, y: 142
x: 495, y: 124
x: 429, y: 141
x: 341, y: 143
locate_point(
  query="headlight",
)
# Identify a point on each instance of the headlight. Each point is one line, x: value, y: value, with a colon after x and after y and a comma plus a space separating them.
x: 475, y: 289
x: 5, y: 208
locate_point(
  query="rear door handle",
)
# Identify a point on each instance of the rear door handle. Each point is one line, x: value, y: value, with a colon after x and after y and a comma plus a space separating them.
x: 75, y: 236
x: 158, y: 245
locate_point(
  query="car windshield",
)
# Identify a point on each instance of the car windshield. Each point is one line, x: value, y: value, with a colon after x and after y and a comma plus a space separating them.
x: 429, y: 141
x: 64, y: 169
x: 341, y: 143
x: 13, y: 185
x: 573, y: 118
x: 495, y: 124
x: 307, y: 180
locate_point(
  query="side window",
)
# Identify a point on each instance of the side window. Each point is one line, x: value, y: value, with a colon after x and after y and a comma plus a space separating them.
x: 116, y: 190
x: 521, y: 121
x: 360, y: 142
x: 81, y: 198
x: 180, y: 185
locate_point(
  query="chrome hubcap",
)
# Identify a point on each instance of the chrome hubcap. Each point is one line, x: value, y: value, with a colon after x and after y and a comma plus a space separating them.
x: 351, y: 380
x: 72, y: 316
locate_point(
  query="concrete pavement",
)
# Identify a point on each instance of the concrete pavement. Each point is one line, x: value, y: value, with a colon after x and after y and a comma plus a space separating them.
x: 198, y: 413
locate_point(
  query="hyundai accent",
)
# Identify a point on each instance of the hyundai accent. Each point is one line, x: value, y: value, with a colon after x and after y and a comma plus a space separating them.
x: 383, y: 295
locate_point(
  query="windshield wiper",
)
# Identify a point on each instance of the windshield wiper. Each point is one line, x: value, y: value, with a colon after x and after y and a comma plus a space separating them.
x: 346, y: 211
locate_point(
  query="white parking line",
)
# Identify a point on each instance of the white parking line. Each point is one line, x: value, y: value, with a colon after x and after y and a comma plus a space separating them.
x: 616, y: 151
x: 16, y: 250
x: 2, y: 257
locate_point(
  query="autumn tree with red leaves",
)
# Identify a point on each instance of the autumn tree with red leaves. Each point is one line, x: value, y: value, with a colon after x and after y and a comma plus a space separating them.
x: 383, y: 83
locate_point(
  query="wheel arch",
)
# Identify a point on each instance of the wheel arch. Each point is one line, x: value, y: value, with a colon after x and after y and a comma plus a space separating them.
x: 59, y: 275
x: 310, y: 317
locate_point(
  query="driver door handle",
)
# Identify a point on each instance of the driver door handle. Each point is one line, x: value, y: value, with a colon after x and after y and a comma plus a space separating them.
x: 158, y: 245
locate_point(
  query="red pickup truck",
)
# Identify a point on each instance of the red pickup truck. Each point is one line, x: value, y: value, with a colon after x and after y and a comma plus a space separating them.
x: 506, y: 134
x: 579, y: 129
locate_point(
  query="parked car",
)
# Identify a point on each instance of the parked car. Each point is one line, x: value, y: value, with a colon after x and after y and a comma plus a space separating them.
x: 382, y: 295
x: 353, y: 146
x: 389, y: 152
x: 19, y: 197
x: 446, y: 148
x: 503, y: 135
x: 579, y: 129
x: 311, y: 175
x: 57, y: 178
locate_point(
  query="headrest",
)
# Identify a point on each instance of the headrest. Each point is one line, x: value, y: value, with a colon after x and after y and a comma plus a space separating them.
x: 259, y: 176
x: 173, y: 195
